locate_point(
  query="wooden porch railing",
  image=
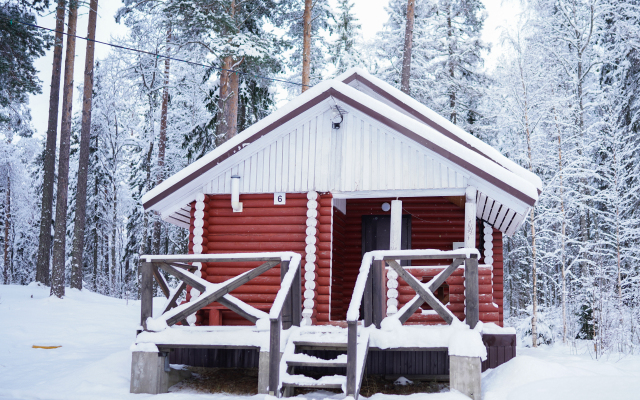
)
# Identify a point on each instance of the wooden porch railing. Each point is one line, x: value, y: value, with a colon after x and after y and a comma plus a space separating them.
x: 285, y: 312
x: 369, y: 285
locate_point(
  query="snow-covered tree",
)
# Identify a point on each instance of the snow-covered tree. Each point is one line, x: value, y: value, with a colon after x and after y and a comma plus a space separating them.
x: 345, y: 52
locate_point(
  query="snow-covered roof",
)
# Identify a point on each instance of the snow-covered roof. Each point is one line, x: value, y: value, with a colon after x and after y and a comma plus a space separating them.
x: 358, y: 77
x: 295, y: 149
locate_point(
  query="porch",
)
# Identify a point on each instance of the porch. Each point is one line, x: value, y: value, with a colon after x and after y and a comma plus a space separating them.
x: 285, y: 348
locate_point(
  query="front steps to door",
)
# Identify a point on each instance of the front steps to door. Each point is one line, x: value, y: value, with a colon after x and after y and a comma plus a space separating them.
x: 301, y: 355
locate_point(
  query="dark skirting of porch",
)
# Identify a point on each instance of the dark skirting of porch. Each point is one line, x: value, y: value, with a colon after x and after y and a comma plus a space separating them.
x: 500, y: 349
x: 379, y: 362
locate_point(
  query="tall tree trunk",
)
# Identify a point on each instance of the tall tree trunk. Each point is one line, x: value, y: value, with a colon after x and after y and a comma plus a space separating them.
x: 83, y: 162
x: 306, y: 44
x: 144, y: 248
x: 534, y: 289
x: 104, y: 250
x: 7, y: 230
x: 94, y: 232
x: 229, y: 87
x: 114, y: 231
x: 563, y: 231
x: 162, y: 141
x: 453, y: 117
x: 44, y: 245
x: 60, y: 231
x: 405, y: 85
x: 619, y: 282
x: 528, y: 132
x: 229, y: 93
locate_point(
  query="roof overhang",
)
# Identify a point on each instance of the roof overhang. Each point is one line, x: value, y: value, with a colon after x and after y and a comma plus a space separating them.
x: 468, y: 152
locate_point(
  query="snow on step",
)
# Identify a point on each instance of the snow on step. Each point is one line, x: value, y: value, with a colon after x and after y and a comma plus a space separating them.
x: 326, y: 382
x: 321, y: 338
x: 306, y: 360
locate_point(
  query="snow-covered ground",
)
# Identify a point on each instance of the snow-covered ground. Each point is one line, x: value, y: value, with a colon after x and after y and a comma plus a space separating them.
x: 94, y: 362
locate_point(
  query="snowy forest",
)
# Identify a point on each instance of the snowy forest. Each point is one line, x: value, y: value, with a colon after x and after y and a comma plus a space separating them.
x: 562, y: 101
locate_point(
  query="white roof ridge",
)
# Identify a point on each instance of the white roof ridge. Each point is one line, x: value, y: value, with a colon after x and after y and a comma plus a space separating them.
x: 472, y: 141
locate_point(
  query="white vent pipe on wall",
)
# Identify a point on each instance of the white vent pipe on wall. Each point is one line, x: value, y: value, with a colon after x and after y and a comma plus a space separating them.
x: 235, y: 194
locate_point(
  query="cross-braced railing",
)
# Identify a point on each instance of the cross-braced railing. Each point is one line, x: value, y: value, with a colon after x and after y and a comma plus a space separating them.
x: 370, y: 284
x: 286, y: 307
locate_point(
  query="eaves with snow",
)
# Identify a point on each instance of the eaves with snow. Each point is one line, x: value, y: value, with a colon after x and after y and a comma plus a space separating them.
x: 387, y: 145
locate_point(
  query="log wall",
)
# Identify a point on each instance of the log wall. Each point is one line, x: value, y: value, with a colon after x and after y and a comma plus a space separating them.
x: 263, y: 226
x: 498, y: 274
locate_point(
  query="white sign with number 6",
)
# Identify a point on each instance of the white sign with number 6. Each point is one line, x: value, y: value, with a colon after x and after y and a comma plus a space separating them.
x: 279, y: 198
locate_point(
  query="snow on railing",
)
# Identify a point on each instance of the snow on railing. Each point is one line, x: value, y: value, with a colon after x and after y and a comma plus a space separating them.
x: 285, y: 286
x: 353, y: 312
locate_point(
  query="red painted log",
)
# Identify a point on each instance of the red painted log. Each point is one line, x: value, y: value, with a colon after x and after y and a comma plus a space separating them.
x: 302, y: 220
x: 260, y: 237
x: 255, y: 246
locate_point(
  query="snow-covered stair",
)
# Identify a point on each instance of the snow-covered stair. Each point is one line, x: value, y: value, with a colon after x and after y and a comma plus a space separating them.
x: 327, y: 338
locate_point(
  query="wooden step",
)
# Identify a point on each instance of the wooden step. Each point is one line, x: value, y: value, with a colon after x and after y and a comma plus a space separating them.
x: 314, y: 386
x: 319, y: 363
x: 309, y: 345
x: 326, y: 382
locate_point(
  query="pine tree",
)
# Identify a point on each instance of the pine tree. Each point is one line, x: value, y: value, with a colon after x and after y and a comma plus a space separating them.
x: 20, y: 45
x: 446, y: 56
x: 304, y: 21
x: 83, y: 159
x: 235, y: 34
x: 344, y: 51
x: 59, y: 237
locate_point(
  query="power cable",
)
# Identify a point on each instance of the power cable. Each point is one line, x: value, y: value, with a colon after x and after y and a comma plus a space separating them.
x: 158, y: 56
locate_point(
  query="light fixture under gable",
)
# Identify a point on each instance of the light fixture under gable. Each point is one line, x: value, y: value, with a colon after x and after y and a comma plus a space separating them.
x: 338, y: 116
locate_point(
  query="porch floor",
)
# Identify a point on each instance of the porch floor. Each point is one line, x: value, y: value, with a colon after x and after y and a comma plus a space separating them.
x: 456, y: 337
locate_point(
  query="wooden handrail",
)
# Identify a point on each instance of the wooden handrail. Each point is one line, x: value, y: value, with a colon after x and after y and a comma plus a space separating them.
x: 287, y: 304
x: 289, y: 300
x: 210, y: 292
x: 366, y: 286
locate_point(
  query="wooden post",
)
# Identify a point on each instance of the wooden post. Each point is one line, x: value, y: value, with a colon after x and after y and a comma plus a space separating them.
x: 396, y: 225
x: 367, y: 304
x: 286, y: 307
x: 395, y: 243
x: 471, y: 290
x: 378, y: 298
x: 296, y: 299
x: 274, y: 357
x: 146, y: 293
x: 470, y: 218
x: 352, y: 357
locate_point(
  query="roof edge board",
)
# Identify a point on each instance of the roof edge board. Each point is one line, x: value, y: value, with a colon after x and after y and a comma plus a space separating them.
x: 410, y: 128
x: 289, y: 111
x: 436, y: 121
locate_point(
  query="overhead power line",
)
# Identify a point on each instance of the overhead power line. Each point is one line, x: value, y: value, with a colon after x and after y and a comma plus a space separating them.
x: 158, y: 56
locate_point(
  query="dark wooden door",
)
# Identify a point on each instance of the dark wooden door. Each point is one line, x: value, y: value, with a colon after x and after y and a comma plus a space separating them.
x: 376, y: 233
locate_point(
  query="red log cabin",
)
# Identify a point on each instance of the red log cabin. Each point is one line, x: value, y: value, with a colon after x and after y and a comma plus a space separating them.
x: 350, y: 166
